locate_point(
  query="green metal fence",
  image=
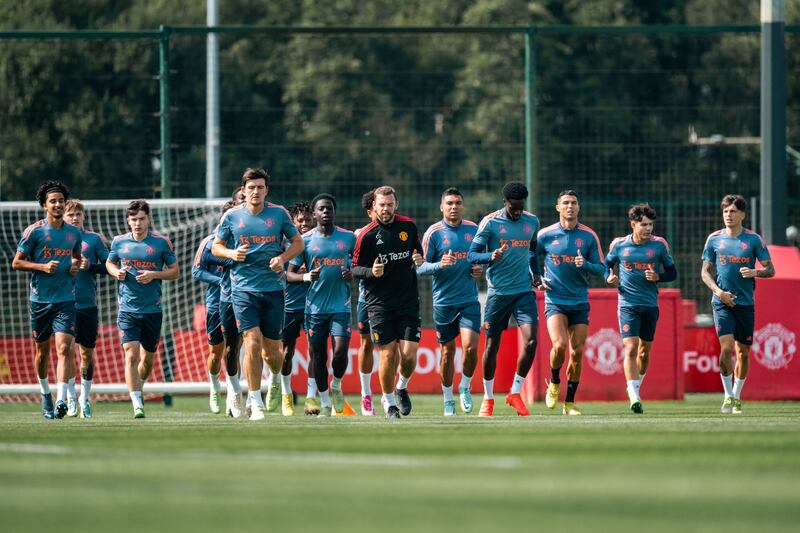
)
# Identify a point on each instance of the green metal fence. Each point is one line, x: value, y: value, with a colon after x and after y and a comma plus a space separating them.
x: 665, y: 114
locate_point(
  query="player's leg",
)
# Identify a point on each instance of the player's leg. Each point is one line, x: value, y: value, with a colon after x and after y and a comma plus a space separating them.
x: 86, y: 338
x: 271, y: 323
x: 291, y: 331
x: 41, y: 360
x: 339, y: 328
x: 408, y: 324
x: 469, y: 346
x: 557, y: 328
x: 63, y: 326
x: 527, y: 316
x: 647, y: 333
x: 233, y: 343
x: 743, y: 335
x: 387, y: 370
x: 253, y: 366
x: 366, y: 359
x: 132, y: 377
x: 445, y: 319
x: 630, y: 320
x: 577, y: 341
x: 725, y: 325
x: 317, y: 351
x: 495, y: 321
x: 214, y: 365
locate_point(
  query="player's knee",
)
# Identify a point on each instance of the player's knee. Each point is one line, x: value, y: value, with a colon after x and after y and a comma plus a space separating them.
x: 559, y: 348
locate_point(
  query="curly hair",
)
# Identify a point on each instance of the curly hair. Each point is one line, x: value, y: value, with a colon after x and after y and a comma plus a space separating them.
x: 515, y: 190
x: 637, y: 212
x: 51, y: 186
x: 300, y: 207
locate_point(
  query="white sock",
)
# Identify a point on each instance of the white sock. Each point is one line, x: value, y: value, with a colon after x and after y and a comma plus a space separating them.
x: 136, y: 399
x: 286, y: 384
x: 325, y: 399
x: 641, y: 380
x: 488, y: 389
x: 516, y: 387
x: 274, y: 378
x: 233, y: 384
x: 738, y: 385
x: 61, y: 393
x: 448, y: 393
x: 402, y: 382
x: 311, y: 389
x: 466, y: 382
x: 254, y: 398
x: 633, y: 390
x: 86, y: 389
x: 727, y: 385
x: 387, y: 400
x: 336, y: 383
x: 366, y: 389
x: 214, y: 379
x: 44, y: 386
x: 71, y: 389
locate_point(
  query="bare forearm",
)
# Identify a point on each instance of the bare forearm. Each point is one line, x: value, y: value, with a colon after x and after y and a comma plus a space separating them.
x: 708, y: 279
x: 27, y: 266
x: 220, y: 250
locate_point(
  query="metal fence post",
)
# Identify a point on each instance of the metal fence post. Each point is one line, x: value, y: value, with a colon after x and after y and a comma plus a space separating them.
x: 530, y: 118
x: 164, y: 113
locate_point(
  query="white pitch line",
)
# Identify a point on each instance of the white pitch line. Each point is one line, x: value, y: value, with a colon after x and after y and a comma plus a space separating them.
x: 39, y: 449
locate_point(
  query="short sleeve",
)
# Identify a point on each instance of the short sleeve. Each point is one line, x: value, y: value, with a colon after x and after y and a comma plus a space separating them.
x: 762, y: 252
x: 709, y: 253
x: 28, y: 243
x: 224, y: 232
x: 113, y: 254
x: 287, y: 227
x: 102, y: 250
x: 168, y: 254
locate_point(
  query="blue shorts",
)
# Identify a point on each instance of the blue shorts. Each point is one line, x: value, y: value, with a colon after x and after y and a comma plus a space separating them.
x: 228, y: 322
x: 292, y: 324
x: 362, y: 316
x: 738, y: 321
x: 86, y: 323
x: 638, y: 322
x: 213, y: 327
x: 47, y: 319
x: 499, y: 309
x: 449, y: 320
x: 144, y: 328
x: 576, y: 313
x: 319, y: 326
x: 263, y: 310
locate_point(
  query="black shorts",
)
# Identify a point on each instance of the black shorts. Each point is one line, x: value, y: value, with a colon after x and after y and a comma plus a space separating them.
x: 47, y: 318
x: 738, y: 321
x: 292, y: 324
x: 144, y: 328
x: 638, y: 321
x: 228, y: 322
x: 394, y: 325
x: 213, y: 327
x: 86, y: 323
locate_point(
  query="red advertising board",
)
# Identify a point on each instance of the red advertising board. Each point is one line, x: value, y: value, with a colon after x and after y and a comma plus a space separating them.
x: 602, y: 377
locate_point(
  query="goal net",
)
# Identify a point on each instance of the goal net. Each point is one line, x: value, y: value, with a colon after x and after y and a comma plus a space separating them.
x: 181, y: 359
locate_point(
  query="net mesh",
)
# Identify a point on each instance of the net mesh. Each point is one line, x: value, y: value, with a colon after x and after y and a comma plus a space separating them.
x: 183, y: 350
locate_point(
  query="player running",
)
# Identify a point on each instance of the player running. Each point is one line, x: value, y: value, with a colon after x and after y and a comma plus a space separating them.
x: 571, y: 252
x: 641, y: 256
x: 510, y: 234
x: 366, y: 360
x: 294, y: 304
x: 137, y: 260
x: 326, y: 258
x: 210, y: 269
x: 259, y: 228
x: 385, y: 257
x: 732, y: 252
x: 94, y: 252
x: 456, y: 310
x: 51, y: 250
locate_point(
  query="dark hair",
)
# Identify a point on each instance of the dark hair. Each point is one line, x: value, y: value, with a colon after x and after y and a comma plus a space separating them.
x: 236, y: 191
x: 452, y: 191
x: 366, y: 200
x: 323, y: 196
x: 514, y: 190
x: 255, y: 174
x: 385, y: 190
x: 227, y: 206
x: 734, y: 199
x: 637, y: 212
x: 137, y: 205
x: 568, y: 192
x: 51, y: 186
x: 300, y: 207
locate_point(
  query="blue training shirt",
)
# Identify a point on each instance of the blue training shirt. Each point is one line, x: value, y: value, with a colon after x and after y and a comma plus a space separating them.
x: 151, y: 253
x: 453, y: 285
x: 512, y: 274
x: 95, y: 249
x: 729, y: 254
x: 634, y: 259
x: 209, y: 269
x: 264, y: 233
x: 330, y: 293
x: 42, y: 243
x: 569, y: 285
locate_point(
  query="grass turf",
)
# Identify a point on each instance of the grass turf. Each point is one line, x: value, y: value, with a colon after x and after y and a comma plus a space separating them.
x: 681, y: 467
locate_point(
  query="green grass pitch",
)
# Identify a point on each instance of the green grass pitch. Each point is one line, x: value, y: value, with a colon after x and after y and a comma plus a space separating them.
x: 681, y: 467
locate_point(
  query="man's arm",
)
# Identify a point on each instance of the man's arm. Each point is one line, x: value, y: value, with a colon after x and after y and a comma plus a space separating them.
x: 478, y: 255
x: 171, y: 272
x: 708, y: 278
x: 198, y: 272
x: 21, y: 262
